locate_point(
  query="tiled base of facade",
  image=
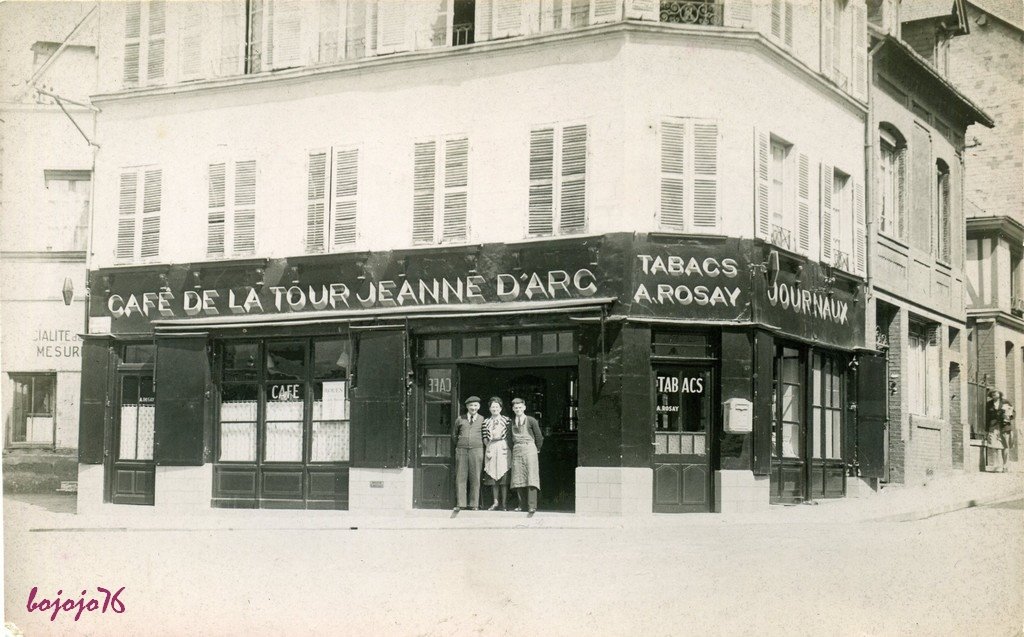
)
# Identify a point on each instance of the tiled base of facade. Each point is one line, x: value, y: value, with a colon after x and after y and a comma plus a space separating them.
x: 740, y: 492
x: 623, y: 491
x: 380, y: 490
x: 90, y: 488
x: 183, y: 490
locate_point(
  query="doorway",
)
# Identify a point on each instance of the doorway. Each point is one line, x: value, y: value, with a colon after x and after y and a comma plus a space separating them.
x: 550, y: 394
x: 683, y: 413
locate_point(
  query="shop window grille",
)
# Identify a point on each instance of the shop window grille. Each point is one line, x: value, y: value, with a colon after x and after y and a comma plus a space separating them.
x: 782, y: 237
x: 841, y: 260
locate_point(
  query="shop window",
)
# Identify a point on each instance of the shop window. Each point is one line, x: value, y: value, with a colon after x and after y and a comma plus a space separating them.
x: 556, y: 343
x: 295, y: 394
x: 827, y: 418
x: 924, y: 370
x: 476, y: 346
x: 788, y: 395
x: 32, y: 408
x: 136, y: 417
x: 516, y: 345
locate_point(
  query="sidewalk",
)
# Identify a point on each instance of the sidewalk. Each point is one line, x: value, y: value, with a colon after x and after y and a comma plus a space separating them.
x: 893, y: 504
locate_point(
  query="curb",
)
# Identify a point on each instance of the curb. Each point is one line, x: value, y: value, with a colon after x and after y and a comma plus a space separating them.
x: 949, y: 507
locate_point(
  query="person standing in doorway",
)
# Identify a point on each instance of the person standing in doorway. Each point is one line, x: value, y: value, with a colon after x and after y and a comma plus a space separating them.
x: 526, y: 444
x: 496, y: 457
x: 467, y: 434
x: 999, y: 423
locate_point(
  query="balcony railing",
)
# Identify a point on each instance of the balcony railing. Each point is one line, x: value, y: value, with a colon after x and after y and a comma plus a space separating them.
x: 781, y: 237
x: 702, y: 13
x: 841, y: 260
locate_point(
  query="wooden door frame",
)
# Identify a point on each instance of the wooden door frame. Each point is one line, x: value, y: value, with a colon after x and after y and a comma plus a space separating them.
x: 419, y: 411
x: 111, y: 467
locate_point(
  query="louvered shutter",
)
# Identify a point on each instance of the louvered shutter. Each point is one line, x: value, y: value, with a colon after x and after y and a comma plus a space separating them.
x: 508, y: 18
x: 132, y: 40
x: 777, y: 18
x: 860, y: 238
x: 573, y: 196
x: 739, y: 13
x: 762, y: 161
x: 827, y: 17
x: 346, y: 192
x: 673, y: 181
x: 392, y: 34
x: 216, y: 210
x: 642, y: 10
x: 155, y: 42
x: 705, y: 176
x: 244, y: 213
x: 860, y: 49
x: 152, y: 187
x: 127, y: 206
x: 602, y: 11
x: 787, y: 23
x: 483, y: 20
x: 542, y: 162
x: 357, y: 29
x: 232, y: 37
x: 825, y: 190
x: 316, y: 201
x: 424, y: 171
x: 901, y: 191
x: 286, y: 42
x: 803, y: 204
x: 456, y: 180
x: 190, y: 43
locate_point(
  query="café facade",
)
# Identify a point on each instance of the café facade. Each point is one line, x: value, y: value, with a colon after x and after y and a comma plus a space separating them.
x: 668, y: 374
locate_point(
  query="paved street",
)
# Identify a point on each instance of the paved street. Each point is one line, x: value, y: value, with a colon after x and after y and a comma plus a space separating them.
x: 952, y: 574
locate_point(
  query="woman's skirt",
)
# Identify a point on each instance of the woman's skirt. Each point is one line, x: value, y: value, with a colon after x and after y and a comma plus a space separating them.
x: 496, y: 462
x: 525, y: 466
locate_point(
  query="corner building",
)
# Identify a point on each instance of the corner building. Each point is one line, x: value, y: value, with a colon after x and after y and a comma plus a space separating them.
x: 319, y: 226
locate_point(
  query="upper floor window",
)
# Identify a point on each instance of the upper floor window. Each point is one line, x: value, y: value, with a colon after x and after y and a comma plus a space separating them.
x: 782, y: 22
x: 67, y: 194
x: 844, y: 44
x: 943, y: 220
x: 781, y: 193
x: 924, y: 367
x: 145, y: 29
x: 332, y: 198
x: 842, y: 220
x: 440, y: 183
x: 893, y: 182
x: 689, y: 175
x: 231, y: 212
x: 558, y: 180
x: 139, y: 207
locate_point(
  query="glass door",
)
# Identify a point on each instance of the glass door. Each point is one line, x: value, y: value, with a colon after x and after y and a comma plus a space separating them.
x: 435, y: 464
x: 683, y: 412
x: 133, y: 475
x: 788, y: 417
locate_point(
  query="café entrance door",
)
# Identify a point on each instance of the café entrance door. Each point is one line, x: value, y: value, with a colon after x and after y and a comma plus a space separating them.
x: 683, y: 412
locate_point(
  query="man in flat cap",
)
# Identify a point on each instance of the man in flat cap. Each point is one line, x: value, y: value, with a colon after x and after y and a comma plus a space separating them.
x: 467, y: 434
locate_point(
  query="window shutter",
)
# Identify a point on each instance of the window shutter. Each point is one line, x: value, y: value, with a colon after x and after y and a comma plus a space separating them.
x: 127, y: 204
x: 183, y: 376
x: 330, y: 45
x: 803, y: 205
x: 155, y: 45
x: 152, y: 187
x: 216, y: 210
x: 643, y: 10
x: 132, y: 37
x: 456, y: 179
x: 602, y: 11
x: 673, y: 144
x: 901, y: 191
x: 316, y: 202
x: 244, y: 222
x: 860, y: 49
x: 573, y: 196
x: 190, y: 44
x: 423, y: 192
x: 508, y: 18
x: 483, y: 20
x: 738, y: 14
x: 762, y: 158
x: 827, y: 9
x: 286, y: 41
x: 946, y: 216
x: 232, y: 37
x: 346, y: 182
x: 787, y: 22
x: 859, y: 229
x: 777, y: 17
x: 542, y: 158
x: 826, y: 212
x: 392, y: 36
x: 705, y: 176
